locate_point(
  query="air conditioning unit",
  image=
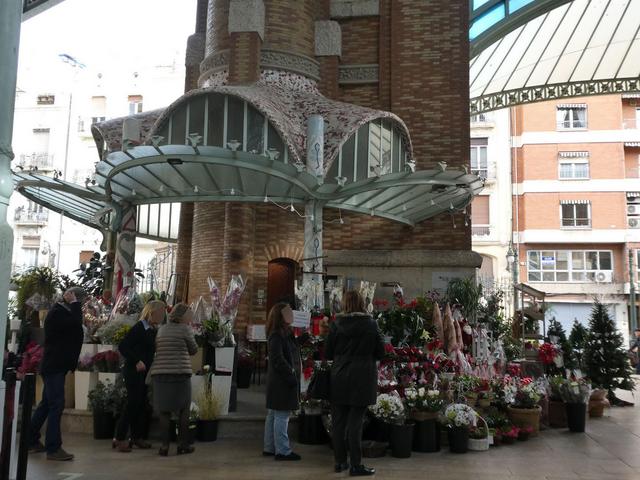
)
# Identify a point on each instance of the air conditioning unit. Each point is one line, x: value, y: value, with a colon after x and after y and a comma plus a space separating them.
x: 633, y: 222
x: 633, y: 209
x: 603, y: 276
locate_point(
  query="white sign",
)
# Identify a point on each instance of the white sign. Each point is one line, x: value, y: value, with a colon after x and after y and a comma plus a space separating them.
x: 301, y: 319
x: 548, y: 259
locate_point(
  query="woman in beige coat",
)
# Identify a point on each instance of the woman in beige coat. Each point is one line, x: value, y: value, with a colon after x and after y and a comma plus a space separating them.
x: 171, y: 376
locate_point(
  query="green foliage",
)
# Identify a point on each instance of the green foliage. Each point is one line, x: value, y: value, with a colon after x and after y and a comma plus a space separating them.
x: 91, y: 275
x: 38, y: 280
x: 108, y: 397
x: 578, y: 340
x: 605, y: 355
x: 556, y: 329
x: 467, y: 293
x: 406, y: 323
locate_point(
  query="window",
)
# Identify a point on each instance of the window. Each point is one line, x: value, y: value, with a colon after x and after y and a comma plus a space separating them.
x: 479, y: 157
x: 30, y: 256
x: 573, y: 165
x: 571, y: 116
x: 575, y: 213
x: 480, y: 216
x: 480, y: 118
x: 135, y: 104
x: 569, y: 265
x: 46, y: 99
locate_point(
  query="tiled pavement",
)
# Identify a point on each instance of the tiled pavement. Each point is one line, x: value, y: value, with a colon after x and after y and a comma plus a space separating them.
x: 609, y: 450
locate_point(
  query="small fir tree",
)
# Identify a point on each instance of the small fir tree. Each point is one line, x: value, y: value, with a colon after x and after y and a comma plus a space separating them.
x: 556, y: 329
x: 605, y: 356
x: 578, y: 340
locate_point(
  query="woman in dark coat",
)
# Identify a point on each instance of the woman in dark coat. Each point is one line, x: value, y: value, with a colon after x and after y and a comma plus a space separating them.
x: 354, y: 344
x: 138, y: 348
x: 282, y: 382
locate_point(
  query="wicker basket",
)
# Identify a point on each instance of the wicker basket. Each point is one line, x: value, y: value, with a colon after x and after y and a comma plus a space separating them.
x: 480, y: 444
x: 526, y: 417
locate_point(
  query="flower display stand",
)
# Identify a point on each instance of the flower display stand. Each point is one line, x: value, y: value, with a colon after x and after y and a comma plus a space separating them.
x: 105, y: 377
x: 69, y: 390
x: 105, y: 347
x: 221, y: 386
x: 88, y: 349
x: 225, y: 358
x: 84, y: 383
x: 197, y: 360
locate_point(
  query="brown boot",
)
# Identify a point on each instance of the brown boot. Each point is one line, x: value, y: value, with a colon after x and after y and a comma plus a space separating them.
x: 123, y: 446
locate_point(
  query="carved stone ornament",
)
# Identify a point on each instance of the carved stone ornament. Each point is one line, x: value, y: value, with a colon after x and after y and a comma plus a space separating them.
x: 328, y: 38
x: 247, y: 16
x: 358, y: 73
x: 215, y: 62
x: 290, y: 62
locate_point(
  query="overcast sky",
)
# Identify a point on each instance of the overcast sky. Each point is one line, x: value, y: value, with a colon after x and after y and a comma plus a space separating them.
x: 106, y: 34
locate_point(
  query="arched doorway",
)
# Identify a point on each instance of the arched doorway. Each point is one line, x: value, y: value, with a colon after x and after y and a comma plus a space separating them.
x: 281, y: 281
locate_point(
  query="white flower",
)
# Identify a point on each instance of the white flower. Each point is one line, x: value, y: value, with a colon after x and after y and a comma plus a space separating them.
x: 421, y: 391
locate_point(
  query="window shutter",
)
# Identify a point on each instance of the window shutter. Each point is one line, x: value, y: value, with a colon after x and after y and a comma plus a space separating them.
x: 480, y: 210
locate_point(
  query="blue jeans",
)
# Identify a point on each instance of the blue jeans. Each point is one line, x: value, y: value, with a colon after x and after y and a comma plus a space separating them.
x: 276, y: 436
x: 49, y: 409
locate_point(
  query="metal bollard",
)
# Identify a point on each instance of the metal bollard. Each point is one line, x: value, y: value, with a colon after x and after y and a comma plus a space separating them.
x: 29, y: 386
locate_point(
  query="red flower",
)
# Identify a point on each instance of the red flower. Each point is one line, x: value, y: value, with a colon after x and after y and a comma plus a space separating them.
x: 388, y: 348
x: 307, y: 372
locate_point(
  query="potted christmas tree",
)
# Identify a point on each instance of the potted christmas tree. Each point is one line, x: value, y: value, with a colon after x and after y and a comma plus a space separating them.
x: 605, y: 356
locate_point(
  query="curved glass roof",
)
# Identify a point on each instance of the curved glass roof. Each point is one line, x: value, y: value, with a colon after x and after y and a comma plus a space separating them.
x: 582, y: 47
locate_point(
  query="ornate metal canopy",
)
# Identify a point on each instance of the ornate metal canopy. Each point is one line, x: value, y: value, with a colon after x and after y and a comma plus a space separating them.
x: 534, y: 50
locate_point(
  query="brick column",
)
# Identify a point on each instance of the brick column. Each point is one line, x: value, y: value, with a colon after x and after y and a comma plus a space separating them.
x: 328, y: 49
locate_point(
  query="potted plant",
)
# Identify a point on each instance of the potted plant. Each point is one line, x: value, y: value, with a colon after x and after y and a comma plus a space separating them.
x: 208, y: 413
x: 557, y: 414
x: 389, y: 409
x: 246, y: 363
x: 495, y: 437
x: 310, y: 428
x: 479, y: 438
x: 524, y: 433
x: 509, y: 434
x: 597, y: 402
x: 459, y: 418
x: 105, y: 401
x: 575, y: 394
x: 524, y: 409
x: 423, y: 406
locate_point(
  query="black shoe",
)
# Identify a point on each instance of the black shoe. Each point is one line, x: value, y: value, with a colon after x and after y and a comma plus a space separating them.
x: 361, y: 471
x: 268, y: 454
x: 37, y: 447
x: 292, y: 457
x: 341, y: 467
x: 186, y: 450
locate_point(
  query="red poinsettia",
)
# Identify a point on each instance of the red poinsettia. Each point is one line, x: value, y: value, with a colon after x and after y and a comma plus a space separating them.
x: 547, y: 353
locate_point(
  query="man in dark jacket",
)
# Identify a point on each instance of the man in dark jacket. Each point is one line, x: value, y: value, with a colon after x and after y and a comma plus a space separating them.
x: 63, y: 336
x: 354, y: 344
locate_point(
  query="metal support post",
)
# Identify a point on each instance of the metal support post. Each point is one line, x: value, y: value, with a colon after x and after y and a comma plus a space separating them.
x: 633, y: 315
x: 10, y: 19
x: 313, y: 253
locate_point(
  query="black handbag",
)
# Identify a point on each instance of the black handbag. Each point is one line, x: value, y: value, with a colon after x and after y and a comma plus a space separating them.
x: 320, y: 385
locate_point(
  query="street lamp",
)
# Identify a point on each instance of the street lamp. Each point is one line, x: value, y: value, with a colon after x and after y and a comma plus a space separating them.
x: 512, y: 266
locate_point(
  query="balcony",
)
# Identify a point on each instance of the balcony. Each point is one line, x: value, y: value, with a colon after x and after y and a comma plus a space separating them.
x: 481, y: 231
x: 36, y: 161
x: 30, y: 217
x: 631, y: 123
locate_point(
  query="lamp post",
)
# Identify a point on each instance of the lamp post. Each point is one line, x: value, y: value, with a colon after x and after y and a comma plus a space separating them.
x: 512, y: 262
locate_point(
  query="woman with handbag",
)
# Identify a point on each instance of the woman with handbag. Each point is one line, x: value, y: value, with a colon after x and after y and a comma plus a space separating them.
x: 283, y: 389
x: 354, y: 344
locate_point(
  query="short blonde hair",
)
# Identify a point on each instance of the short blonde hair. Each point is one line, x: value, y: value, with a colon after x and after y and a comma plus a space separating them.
x: 150, y: 308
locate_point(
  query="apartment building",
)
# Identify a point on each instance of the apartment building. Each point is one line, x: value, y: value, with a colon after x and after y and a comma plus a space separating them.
x: 52, y: 135
x: 576, y: 201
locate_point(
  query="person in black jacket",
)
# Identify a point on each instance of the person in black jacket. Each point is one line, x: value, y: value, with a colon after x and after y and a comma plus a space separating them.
x: 138, y: 348
x: 354, y: 344
x: 282, y: 382
x: 63, y: 336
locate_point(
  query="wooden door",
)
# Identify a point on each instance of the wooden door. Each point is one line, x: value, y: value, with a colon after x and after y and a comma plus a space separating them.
x: 280, y: 281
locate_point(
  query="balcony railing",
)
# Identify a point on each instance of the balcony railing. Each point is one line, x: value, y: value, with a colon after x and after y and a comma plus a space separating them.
x: 481, y: 230
x: 40, y: 161
x: 31, y: 217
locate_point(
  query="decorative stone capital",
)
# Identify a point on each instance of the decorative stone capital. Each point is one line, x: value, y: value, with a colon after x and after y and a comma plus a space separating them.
x: 247, y: 16
x: 354, y: 8
x: 358, y: 73
x: 328, y: 39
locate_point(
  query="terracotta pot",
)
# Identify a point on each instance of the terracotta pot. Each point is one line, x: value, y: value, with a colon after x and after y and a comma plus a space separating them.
x: 526, y: 417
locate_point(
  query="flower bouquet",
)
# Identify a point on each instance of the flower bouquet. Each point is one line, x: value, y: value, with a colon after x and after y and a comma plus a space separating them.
x: 575, y: 391
x: 509, y: 434
x: 459, y: 415
x: 389, y: 409
x: 106, y: 362
x: 226, y: 308
x: 524, y: 409
x: 85, y: 363
x: 423, y: 404
x: 31, y: 359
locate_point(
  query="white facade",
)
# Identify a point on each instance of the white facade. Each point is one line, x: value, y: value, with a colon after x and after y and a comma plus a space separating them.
x: 55, y: 107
